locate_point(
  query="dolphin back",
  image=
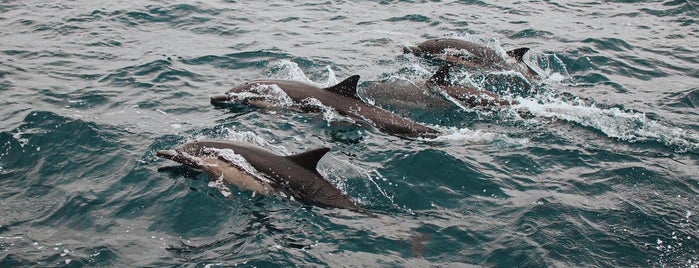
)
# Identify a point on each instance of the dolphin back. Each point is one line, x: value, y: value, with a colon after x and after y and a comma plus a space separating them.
x: 518, y: 53
x: 347, y: 87
x: 309, y: 159
x: 293, y: 174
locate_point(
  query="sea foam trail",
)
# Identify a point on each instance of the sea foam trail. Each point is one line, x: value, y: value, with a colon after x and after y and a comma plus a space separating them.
x: 613, y: 122
x: 475, y: 136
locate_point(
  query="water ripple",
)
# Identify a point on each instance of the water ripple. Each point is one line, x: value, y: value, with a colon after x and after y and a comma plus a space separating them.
x: 597, y: 166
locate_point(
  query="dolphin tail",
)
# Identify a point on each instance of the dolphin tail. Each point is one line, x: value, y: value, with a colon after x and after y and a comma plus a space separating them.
x: 518, y: 53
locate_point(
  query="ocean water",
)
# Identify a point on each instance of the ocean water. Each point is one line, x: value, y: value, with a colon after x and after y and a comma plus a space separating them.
x: 598, y: 168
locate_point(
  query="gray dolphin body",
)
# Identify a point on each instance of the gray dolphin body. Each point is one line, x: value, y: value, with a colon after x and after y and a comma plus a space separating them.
x: 344, y: 99
x: 471, y: 54
x: 293, y: 175
x: 405, y: 96
x: 429, y: 95
x: 467, y: 96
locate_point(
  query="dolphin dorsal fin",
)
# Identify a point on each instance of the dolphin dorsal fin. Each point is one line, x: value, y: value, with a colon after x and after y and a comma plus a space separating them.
x: 347, y: 87
x: 309, y: 159
x: 518, y: 53
x: 441, y: 77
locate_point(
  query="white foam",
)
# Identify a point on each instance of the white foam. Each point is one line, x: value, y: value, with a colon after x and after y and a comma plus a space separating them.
x: 333, y: 166
x: 463, y: 36
x: 474, y: 136
x: 332, y: 80
x: 290, y: 70
x: 18, y: 137
x: 494, y: 43
x: 251, y: 137
x: 270, y: 93
x: 239, y: 161
x: 328, y: 112
x: 220, y: 185
x: 554, y: 77
x: 554, y: 69
x: 458, y: 52
x: 613, y: 122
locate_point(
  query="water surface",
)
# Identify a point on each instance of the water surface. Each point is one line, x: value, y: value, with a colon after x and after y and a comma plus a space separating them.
x: 601, y: 172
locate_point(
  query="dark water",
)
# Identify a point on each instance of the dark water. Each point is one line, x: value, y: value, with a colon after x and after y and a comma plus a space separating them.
x: 602, y: 173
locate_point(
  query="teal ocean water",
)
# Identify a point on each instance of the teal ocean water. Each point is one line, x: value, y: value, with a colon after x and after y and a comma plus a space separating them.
x: 598, y: 168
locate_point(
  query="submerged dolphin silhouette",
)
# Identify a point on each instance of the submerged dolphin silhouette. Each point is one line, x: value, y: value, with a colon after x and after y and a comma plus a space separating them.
x: 341, y: 97
x: 430, y: 95
x: 468, y: 96
x: 293, y: 175
x: 471, y: 54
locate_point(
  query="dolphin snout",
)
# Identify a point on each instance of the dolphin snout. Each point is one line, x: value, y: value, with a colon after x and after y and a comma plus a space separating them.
x: 169, y: 154
x: 220, y: 98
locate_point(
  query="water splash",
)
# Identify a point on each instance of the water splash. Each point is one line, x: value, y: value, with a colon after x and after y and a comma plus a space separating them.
x: 251, y: 137
x: 332, y: 79
x: 237, y: 160
x: 289, y: 70
x: 474, y: 136
x: 220, y: 185
x: 329, y: 113
x: 271, y: 94
x: 613, y: 122
x: 548, y: 65
x: 338, y: 167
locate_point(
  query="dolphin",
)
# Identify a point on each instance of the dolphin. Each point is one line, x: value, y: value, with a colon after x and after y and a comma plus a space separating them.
x: 471, y: 54
x: 467, y: 96
x: 262, y: 171
x: 435, y: 94
x: 405, y: 96
x: 342, y: 97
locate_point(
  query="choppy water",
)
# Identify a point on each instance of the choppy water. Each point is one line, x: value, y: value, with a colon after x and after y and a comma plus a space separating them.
x: 602, y: 172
